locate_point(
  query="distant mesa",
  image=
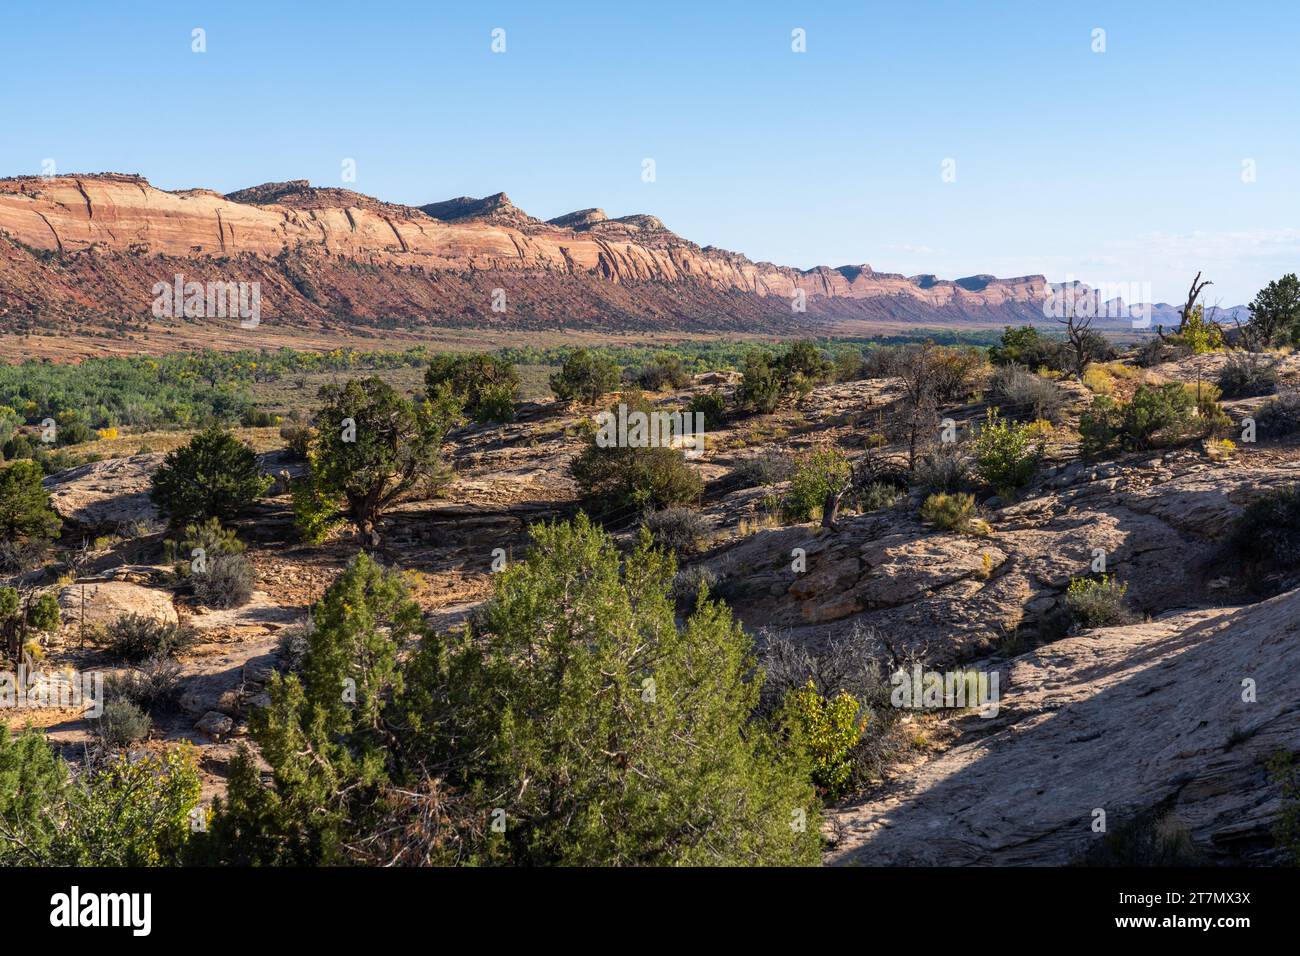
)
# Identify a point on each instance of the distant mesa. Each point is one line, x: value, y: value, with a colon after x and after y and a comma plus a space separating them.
x: 89, y: 248
x: 976, y: 283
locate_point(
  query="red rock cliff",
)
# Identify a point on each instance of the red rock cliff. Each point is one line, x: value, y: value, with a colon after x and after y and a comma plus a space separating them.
x: 88, y: 244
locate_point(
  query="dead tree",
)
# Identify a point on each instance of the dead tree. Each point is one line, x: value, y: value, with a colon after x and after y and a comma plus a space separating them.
x: 916, y: 368
x: 14, y: 629
x: 831, y: 506
x: 1077, y: 332
x: 1188, y: 309
x: 1249, y: 337
x: 1193, y: 295
x: 864, y: 471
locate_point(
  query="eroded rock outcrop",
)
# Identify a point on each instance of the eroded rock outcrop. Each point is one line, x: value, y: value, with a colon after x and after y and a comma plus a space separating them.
x: 103, y: 496
x: 1160, y: 523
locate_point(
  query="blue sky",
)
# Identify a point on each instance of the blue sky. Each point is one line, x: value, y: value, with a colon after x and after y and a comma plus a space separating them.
x: 1122, y: 166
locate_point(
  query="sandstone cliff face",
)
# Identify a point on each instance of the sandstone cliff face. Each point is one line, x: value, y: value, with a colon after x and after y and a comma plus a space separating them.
x: 98, y: 243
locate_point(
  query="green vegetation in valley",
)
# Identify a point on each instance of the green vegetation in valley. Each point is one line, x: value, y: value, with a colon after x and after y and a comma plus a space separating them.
x: 189, y: 389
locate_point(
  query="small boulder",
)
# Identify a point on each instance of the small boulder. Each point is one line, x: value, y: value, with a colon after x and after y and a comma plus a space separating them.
x: 257, y: 673
x: 215, y: 724
x: 106, y: 601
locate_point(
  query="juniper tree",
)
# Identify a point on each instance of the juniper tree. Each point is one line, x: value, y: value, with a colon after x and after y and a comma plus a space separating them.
x: 373, y: 445
x: 25, y: 512
x: 325, y: 733
x: 24, y: 617
x: 620, y: 477
x: 575, y: 710
x: 613, y: 736
x: 1275, y: 313
x: 760, y: 388
x: 584, y: 377
x: 215, y: 475
x: 486, y: 382
x: 768, y: 379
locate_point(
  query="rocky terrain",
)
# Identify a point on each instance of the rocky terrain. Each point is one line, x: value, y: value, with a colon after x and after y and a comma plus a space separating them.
x: 1159, y: 520
x: 89, y: 249
x: 1142, y: 718
x: 1122, y: 719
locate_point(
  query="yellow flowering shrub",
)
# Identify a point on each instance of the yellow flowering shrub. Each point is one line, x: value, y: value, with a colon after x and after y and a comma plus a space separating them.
x: 828, y: 728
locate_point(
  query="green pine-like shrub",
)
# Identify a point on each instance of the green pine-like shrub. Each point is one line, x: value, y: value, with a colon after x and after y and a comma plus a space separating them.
x: 585, y: 376
x: 485, y: 383
x: 618, y: 478
x: 576, y: 723
x: 215, y: 475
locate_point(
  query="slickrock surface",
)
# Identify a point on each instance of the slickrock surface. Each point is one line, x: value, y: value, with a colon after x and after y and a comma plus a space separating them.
x: 1122, y: 719
x: 106, y: 601
x: 102, y: 496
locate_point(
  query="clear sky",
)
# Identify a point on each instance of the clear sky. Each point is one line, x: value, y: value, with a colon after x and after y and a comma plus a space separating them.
x: 1116, y: 166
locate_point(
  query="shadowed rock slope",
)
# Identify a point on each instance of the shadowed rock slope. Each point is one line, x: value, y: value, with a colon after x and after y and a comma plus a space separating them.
x: 1142, y: 719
